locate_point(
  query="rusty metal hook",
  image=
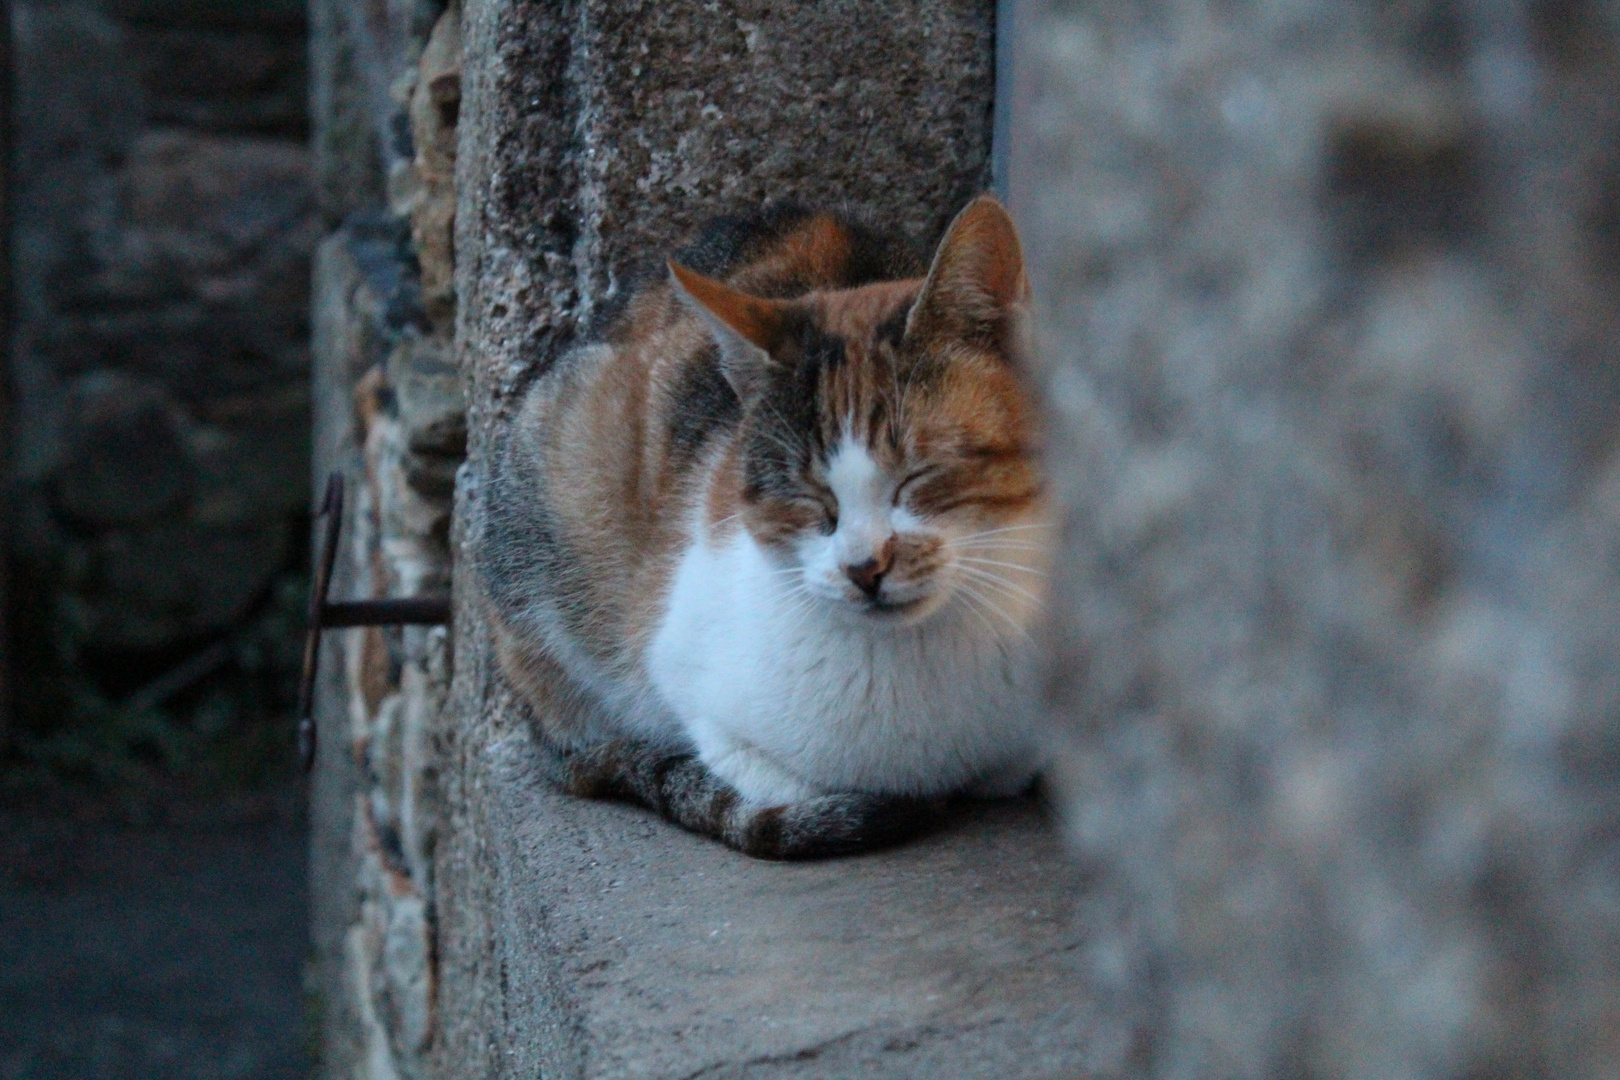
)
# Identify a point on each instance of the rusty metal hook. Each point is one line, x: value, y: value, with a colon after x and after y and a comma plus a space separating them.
x: 416, y: 610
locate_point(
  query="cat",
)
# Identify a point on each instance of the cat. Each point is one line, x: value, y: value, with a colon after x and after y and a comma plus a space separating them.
x: 768, y: 557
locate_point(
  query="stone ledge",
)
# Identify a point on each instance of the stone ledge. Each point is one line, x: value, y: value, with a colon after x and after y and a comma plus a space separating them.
x: 948, y: 957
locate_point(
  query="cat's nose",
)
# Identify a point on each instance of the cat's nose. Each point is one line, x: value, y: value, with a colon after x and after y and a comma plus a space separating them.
x: 868, y: 575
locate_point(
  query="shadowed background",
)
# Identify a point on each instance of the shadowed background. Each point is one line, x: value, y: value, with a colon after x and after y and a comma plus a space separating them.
x: 151, y: 855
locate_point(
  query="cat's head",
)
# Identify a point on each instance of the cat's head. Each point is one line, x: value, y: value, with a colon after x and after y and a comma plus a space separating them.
x: 887, y: 456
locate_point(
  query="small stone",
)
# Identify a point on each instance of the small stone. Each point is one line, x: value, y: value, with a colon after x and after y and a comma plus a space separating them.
x: 428, y: 395
x: 407, y: 974
x: 435, y: 108
x: 376, y: 1060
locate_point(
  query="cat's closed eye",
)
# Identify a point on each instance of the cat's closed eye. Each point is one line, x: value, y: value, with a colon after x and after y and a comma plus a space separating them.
x: 826, y: 504
x: 911, y: 479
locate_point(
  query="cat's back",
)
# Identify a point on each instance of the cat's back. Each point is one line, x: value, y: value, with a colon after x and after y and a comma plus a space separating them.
x: 589, y: 503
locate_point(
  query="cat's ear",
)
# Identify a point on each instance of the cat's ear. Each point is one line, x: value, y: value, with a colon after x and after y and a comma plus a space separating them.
x: 745, y: 327
x: 977, y: 281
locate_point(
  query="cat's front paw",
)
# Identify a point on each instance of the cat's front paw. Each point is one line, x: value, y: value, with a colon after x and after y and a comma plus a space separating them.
x: 754, y: 775
x: 687, y: 792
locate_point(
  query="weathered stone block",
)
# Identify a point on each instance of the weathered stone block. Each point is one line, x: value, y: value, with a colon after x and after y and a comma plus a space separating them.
x: 424, y: 685
x: 634, y: 950
x: 601, y: 136
x: 344, y: 144
x: 431, y: 405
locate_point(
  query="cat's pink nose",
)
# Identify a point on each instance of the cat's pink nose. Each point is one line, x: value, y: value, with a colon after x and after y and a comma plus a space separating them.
x: 868, y: 576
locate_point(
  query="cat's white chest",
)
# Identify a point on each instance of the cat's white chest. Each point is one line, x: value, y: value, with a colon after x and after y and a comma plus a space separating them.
x: 785, y: 697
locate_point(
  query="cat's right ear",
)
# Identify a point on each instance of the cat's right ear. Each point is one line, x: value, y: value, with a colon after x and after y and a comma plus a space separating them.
x: 976, y: 284
x: 745, y: 327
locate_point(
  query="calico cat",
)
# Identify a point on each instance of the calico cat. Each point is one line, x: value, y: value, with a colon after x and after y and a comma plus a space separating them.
x: 767, y: 558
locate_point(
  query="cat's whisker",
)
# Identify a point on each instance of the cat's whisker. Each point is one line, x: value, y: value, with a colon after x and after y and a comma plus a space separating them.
x: 801, y: 605
x: 973, y: 605
x: 1002, y: 583
x: 994, y: 608
x: 1013, y: 624
x: 796, y: 591
x: 994, y: 545
x: 979, y: 561
x: 1004, y: 529
x: 793, y: 588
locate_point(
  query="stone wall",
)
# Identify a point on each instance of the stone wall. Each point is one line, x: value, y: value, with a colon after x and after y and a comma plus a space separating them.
x: 390, y: 416
x: 163, y: 227
x: 1327, y: 297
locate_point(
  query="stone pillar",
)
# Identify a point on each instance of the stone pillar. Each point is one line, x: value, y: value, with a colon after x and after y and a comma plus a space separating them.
x: 1328, y: 298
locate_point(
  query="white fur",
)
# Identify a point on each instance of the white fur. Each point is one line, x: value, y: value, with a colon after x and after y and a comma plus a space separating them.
x: 789, y: 686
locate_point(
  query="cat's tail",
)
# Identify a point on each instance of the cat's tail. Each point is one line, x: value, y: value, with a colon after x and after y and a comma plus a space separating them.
x: 683, y: 790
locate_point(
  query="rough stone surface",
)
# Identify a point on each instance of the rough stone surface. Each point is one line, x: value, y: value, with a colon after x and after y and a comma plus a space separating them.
x: 1327, y: 294
x: 665, y: 955
x: 389, y: 418
x: 603, y: 133
x: 339, y: 353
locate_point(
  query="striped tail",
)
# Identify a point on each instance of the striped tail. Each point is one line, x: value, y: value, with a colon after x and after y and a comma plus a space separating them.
x: 683, y: 790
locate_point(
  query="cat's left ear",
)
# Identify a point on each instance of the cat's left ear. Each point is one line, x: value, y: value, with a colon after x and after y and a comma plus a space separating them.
x: 745, y: 327
x: 976, y: 284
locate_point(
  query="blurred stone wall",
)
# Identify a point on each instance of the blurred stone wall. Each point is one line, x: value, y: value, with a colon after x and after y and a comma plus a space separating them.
x: 1328, y: 303
x: 164, y: 223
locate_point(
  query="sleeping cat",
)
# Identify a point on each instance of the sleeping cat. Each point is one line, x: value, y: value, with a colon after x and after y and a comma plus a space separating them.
x: 768, y: 557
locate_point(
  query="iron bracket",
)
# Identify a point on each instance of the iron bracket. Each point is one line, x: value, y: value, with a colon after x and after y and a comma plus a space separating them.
x: 325, y: 614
